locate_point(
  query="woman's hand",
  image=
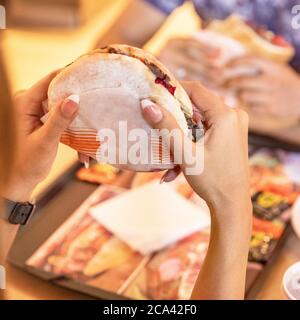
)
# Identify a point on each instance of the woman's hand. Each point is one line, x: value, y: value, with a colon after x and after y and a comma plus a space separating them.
x: 273, y: 90
x: 224, y: 184
x: 37, y: 143
x: 188, y: 59
x: 225, y: 178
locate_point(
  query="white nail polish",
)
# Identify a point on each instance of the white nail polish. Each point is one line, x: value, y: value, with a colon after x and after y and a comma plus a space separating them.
x: 146, y: 103
x: 74, y: 97
x: 86, y: 164
x: 45, y: 117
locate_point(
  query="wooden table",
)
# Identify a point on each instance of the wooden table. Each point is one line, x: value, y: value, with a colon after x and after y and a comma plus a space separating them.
x: 270, y: 286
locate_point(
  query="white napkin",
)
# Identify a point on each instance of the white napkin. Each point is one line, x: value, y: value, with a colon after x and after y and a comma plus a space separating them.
x: 150, y: 217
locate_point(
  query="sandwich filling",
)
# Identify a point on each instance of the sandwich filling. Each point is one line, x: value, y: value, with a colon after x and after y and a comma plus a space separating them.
x: 268, y: 35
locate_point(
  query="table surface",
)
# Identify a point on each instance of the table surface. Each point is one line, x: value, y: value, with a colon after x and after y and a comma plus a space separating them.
x: 43, y: 52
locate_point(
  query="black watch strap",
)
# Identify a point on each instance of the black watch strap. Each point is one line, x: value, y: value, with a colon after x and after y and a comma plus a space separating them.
x: 18, y: 212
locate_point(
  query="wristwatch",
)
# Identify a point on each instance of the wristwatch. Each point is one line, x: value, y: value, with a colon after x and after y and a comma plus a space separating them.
x: 17, y: 212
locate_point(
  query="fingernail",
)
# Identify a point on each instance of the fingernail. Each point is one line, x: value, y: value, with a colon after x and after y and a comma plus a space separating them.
x: 74, y: 98
x: 151, y: 111
x: 86, y: 164
x: 162, y: 180
x: 70, y: 105
x: 170, y: 175
x: 45, y: 117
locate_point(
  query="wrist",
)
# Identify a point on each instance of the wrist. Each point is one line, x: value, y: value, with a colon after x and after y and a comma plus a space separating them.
x: 232, y: 216
x: 19, y: 190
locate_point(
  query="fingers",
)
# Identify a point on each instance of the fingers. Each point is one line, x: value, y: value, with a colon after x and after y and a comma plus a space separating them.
x: 246, y: 70
x: 248, y: 60
x: 197, y: 115
x: 210, y: 106
x: 203, y: 48
x: 171, y: 174
x: 161, y: 119
x: 240, y: 73
x: 173, y: 137
x: 252, y: 92
x: 152, y: 113
x: 38, y: 92
x: 253, y: 98
x: 60, y: 118
x: 249, y: 83
x: 204, y: 100
x: 84, y: 159
x: 190, y: 59
x: 194, y: 47
x: 32, y: 98
x: 196, y: 66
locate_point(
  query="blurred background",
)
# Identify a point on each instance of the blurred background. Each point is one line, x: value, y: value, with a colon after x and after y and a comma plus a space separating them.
x: 43, y: 35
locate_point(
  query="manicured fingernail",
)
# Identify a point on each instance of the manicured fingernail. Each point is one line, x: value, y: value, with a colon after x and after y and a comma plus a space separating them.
x: 170, y: 175
x: 86, y: 164
x: 151, y: 111
x: 74, y: 97
x: 162, y: 180
x: 45, y: 117
x: 70, y: 105
x: 167, y: 177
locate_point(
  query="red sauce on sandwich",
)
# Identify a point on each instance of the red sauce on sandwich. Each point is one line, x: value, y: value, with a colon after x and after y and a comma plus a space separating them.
x: 280, y: 41
x: 270, y: 36
x: 170, y: 88
x: 161, y: 78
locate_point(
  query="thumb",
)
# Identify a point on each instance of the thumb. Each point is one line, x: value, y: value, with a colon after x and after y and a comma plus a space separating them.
x: 161, y: 119
x: 60, y: 118
x: 157, y: 116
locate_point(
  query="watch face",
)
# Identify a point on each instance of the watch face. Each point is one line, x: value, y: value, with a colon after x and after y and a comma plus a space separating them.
x: 21, y: 213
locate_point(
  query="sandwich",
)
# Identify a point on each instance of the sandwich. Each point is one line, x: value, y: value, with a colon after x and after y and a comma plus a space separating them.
x: 255, y: 39
x: 235, y: 37
x: 111, y: 83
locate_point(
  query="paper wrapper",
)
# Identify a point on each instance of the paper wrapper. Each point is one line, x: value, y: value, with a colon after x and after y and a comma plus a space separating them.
x: 116, y: 113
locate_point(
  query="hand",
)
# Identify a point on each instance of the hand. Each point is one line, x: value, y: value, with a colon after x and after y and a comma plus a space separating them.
x: 189, y: 59
x: 273, y: 90
x: 224, y: 184
x: 225, y: 178
x: 37, y: 143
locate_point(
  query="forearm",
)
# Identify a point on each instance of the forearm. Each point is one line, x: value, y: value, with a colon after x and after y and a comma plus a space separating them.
x: 223, y: 273
x: 7, y: 235
x: 128, y: 29
x: 18, y: 190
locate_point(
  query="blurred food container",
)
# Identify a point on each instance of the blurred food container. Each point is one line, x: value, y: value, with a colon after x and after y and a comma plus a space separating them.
x: 53, y: 13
